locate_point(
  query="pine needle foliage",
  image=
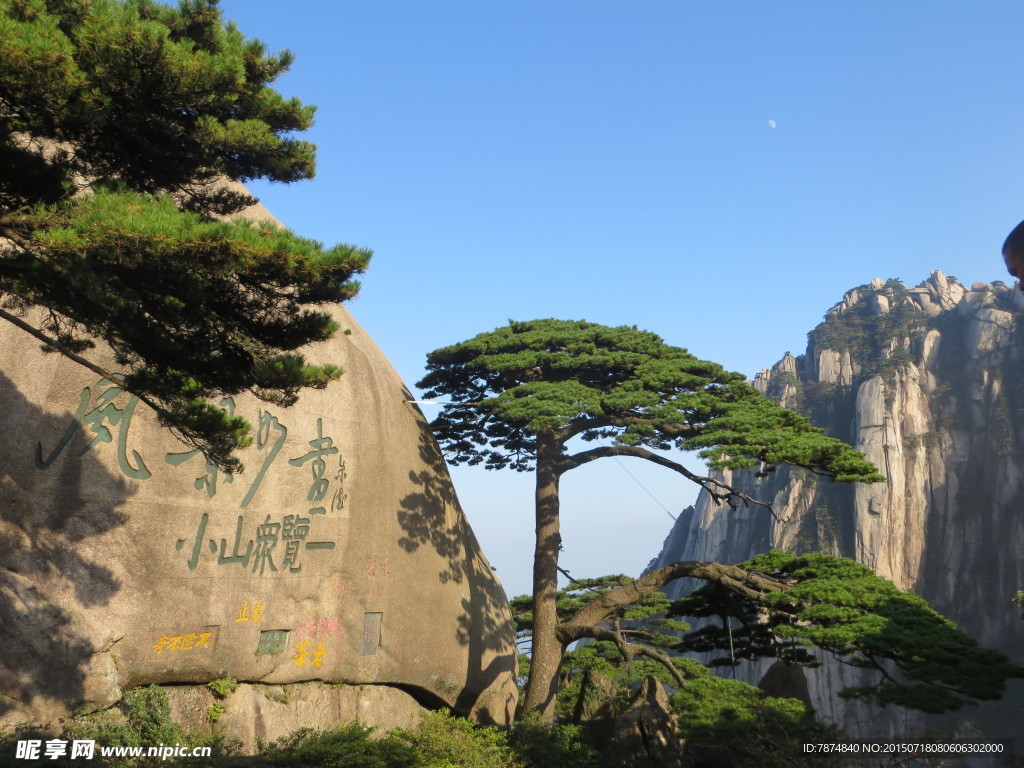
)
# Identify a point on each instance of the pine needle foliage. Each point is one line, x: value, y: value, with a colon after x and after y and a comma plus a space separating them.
x: 650, y: 610
x: 920, y: 658
x: 574, y: 378
x: 597, y: 682
x: 754, y: 730
x: 521, y: 395
x: 121, y: 124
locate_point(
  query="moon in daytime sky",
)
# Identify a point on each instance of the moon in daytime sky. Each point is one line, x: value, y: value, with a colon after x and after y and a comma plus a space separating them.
x: 771, y: 123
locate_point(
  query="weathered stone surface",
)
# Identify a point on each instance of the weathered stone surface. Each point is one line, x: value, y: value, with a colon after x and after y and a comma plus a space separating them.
x: 786, y: 681
x: 596, y: 690
x: 340, y: 554
x: 834, y: 367
x: 989, y: 329
x: 879, y: 304
x: 644, y: 736
x: 946, y: 431
x: 255, y: 714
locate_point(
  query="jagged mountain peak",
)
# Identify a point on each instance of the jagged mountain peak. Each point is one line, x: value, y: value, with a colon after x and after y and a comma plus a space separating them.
x: 928, y: 382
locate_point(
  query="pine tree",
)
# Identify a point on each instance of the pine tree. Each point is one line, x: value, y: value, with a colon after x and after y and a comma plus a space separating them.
x: 777, y: 605
x: 520, y: 394
x: 123, y: 127
x: 918, y: 658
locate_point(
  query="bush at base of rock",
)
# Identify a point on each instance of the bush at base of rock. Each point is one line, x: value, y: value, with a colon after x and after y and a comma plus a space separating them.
x: 730, y: 720
x: 141, y: 719
x: 350, y: 746
x: 445, y: 741
x: 441, y: 741
x: 540, y: 744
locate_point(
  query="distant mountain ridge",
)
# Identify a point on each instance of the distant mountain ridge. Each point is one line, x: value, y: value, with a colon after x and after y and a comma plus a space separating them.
x: 929, y: 383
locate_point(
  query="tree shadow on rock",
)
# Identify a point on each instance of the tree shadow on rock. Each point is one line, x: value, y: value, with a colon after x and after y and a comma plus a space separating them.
x: 431, y: 517
x: 47, y: 572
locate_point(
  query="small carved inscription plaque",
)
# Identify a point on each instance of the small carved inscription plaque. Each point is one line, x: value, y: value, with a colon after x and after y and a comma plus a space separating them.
x: 371, y: 634
x: 272, y: 642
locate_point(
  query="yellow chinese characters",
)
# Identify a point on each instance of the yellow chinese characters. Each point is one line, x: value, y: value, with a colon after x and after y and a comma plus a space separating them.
x: 256, y: 612
x: 302, y: 655
x: 183, y: 642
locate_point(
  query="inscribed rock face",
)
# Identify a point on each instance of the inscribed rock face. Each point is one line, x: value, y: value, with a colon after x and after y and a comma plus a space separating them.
x: 340, y: 554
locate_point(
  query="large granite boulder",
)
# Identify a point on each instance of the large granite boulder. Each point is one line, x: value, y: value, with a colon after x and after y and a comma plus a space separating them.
x: 339, y: 555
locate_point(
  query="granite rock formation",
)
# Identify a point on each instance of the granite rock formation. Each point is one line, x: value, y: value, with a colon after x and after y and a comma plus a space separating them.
x: 929, y: 383
x: 340, y: 555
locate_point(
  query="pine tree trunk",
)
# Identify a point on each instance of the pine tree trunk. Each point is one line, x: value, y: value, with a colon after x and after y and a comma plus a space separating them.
x: 547, y: 649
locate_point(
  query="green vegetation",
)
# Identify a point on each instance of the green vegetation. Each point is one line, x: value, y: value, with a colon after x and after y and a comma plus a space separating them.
x: 539, y: 744
x: 596, y: 673
x: 443, y: 740
x: 349, y: 746
x: 440, y: 741
x: 919, y: 658
x: 754, y: 730
x: 120, y: 121
x: 779, y: 605
x: 522, y: 393
x: 877, y: 344
x: 873, y: 340
x: 223, y: 687
x: 141, y: 719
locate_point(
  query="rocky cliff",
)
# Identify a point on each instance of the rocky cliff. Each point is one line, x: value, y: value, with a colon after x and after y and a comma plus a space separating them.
x: 929, y: 383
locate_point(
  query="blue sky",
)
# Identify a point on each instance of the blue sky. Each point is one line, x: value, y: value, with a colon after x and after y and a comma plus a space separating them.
x: 616, y: 162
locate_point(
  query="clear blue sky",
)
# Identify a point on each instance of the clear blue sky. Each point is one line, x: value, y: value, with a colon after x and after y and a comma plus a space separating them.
x: 618, y: 162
